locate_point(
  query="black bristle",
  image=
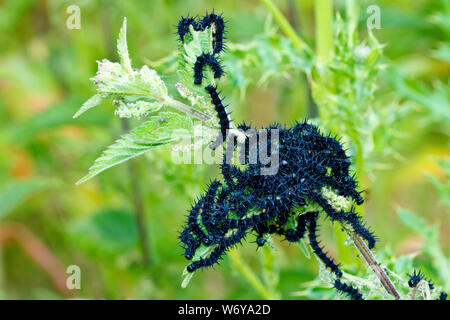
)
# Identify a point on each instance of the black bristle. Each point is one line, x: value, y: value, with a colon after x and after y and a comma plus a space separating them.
x: 220, y: 110
x: 206, y: 59
x: 211, y: 20
x: 349, y: 290
x: 416, y: 277
x: 183, y: 27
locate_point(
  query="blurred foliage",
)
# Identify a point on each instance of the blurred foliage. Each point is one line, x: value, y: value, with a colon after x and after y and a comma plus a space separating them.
x: 402, y: 126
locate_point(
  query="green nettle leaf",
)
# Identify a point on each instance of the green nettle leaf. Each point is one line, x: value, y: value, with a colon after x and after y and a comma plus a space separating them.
x: 435, y: 100
x: 200, y: 42
x: 265, y: 57
x: 112, y: 83
x: 236, y: 74
x: 93, y: 101
x: 200, y: 101
x: 195, y: 100
x: 140, y: 93
x: 201, y: 253
x: 162, y: 129
x: 269, y: 58
x: 122, y: 48
x: 138, y: 109
x: 137, y: 92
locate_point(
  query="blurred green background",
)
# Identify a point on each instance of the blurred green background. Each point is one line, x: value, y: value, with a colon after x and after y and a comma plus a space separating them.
x: 47, y: 223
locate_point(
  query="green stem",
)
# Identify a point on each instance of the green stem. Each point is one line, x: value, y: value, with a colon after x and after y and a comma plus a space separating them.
x: 270, y: 272
x: 285, y: 25
x: 186, y: 109
x: 323, y: 10
x: 249, y: 275
x: 352, y: 14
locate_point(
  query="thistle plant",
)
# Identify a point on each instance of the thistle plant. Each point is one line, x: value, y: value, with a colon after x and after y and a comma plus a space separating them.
x: 312, y: 172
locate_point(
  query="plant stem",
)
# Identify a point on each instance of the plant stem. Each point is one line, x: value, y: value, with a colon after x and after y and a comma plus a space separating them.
x: 138, y: 206
x: 374, y: 264
x: 285, y: 26
x: 352, y: 15
x: 361, y: 280
x: 186, y: 109
x: 323, y: 10
x: 270, y: 272
x: 249, y: 275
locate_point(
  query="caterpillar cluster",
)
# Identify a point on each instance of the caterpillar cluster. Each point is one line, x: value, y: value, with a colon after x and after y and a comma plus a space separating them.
x: 249, y: 202
x: 417, y: 276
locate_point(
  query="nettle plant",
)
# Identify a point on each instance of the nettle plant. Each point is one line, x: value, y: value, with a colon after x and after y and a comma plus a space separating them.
x: 308, y: 173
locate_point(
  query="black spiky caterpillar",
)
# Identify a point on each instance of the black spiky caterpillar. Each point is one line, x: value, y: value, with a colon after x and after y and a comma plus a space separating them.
x: 209, y: 20
x: 349, y: 290
x: 217, y: 25
x: 222, y: 114
x: 250, y: 202
x: 206, y: 59
x: 418, y: 276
